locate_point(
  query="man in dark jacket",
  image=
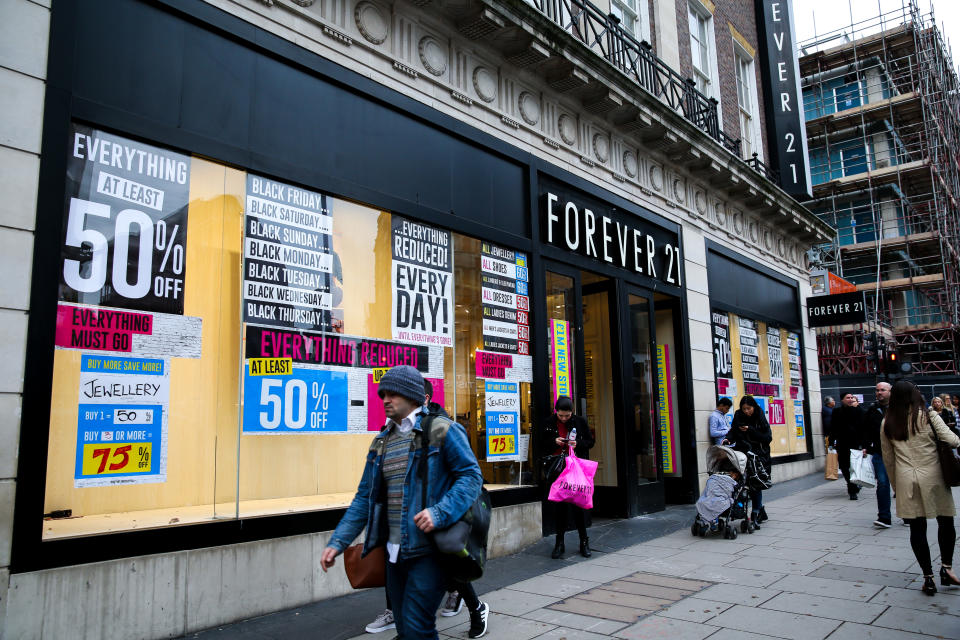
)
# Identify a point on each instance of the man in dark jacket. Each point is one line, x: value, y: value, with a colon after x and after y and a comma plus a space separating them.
x: 827, y: 413
x: 845, y: 435
x: 870, y: 441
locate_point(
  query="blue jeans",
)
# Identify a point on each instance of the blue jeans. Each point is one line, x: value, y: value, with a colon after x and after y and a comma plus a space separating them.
x: 416, y: 587
x: 756, y: 500
x: 883, y: 488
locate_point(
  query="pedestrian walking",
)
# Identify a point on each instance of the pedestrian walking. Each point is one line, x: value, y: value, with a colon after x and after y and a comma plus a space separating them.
x: 750, y: 431
x: 718, y: 420
x: 826, y: 412
x: 559, y: 431
x: 845, y: 435
x: 870, y: 441
x: 955, y: 401
x: 948, y: 412
x: 415, y: 578
x: 908, y: 439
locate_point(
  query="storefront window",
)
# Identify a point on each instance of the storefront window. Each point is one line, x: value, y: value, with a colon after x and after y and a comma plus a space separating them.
x: 763, y: 360
x: 221, y: 335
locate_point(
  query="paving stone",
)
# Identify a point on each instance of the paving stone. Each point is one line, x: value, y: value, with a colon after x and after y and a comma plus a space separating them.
x: 736, y: 634
x: 723, y: 546
x: 703, y: 557
x: 886, y: 551
x: 653, y: 627
x: 502, y: 627
x: 654, y: 591
x: 777, y: 623
x: 748, y: 577
x: 695, y: 609
x: 858, y: 591
x: 883, y: 563
x: 598, y: 610
x: 737, y: 594
x: 666, y: 566
x: 592, y: 572
x: 667, y: 581
x: 860, y: 574
x: 622, y: 560
x: 782, y: 553
x: 622, y: 599
x: 779, y: 565
x: 553, y: 586
x: 845, y: 529
x: 516, y: 603
x: 946, y: 601
x: 813, y: 545
x: 576, y: 621
x: 811, y: 535
x: 650, y: 550
x: 561, y: 633
x: 854, y: 631
x: 825, y: 607
x: 934, y: 624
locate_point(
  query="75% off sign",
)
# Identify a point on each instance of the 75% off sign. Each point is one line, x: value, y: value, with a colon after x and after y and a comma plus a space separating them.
x: 280, y: 398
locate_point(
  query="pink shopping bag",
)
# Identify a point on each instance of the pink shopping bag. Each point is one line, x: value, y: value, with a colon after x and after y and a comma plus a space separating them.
x: 575, y: 483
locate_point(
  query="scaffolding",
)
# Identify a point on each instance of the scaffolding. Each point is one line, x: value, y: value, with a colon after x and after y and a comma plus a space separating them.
x: 883, y: 130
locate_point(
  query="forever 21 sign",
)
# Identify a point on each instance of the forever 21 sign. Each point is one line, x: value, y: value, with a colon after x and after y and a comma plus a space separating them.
x: 576, y: 223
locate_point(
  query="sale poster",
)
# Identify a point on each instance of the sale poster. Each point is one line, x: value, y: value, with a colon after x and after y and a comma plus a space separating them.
x: 288, y: 259
x: 376, y: 417
x: 665, y: 409
x: 749, y: 349
x: 776, y: 412
x: 155, y: 335
x: 122, y: 421
x: 505, y: 300
x: 283, y: 398
x: 503, y: 366
x: 798, y: 418
x: 422, y: 277
x: 774, y: 354
x: 502, y: 411
x: 125, y: 229
x: 560, y: 381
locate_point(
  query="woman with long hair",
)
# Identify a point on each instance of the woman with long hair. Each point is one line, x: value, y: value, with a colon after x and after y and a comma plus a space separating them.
x: 948, y: 413
x: 750, y: 431
x: 556, y: 435
x: 908, y: 439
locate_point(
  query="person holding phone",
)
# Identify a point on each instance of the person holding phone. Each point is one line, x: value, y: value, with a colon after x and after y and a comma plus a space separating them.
x: 561, y: 430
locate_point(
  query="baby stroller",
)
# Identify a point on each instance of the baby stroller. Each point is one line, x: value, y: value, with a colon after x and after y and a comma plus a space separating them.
x: 724, y: 499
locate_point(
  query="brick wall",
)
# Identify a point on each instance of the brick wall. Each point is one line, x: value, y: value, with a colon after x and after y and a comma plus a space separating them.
x: 741, y: 14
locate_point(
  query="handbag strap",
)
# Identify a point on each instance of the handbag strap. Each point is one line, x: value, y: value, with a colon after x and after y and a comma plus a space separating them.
x: 425, y: 423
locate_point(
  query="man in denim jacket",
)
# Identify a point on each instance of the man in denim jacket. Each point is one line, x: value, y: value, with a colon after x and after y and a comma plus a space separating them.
x: 388, y: 501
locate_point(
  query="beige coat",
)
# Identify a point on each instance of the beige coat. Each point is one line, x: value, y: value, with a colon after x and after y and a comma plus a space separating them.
x: 914, y: 470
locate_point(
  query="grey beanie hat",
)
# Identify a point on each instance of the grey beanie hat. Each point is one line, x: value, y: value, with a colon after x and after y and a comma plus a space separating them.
x: 403, y: 380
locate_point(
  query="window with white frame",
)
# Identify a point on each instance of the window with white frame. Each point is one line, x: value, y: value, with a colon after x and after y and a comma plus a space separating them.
x: 701, y: 48
x: 747, y: 104
x: 633, y: 17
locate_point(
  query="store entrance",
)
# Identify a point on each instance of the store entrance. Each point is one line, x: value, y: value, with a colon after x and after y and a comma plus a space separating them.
x: 603, y: 355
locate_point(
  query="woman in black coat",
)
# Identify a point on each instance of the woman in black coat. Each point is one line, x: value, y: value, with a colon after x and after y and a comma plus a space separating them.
x: 750, y: 431
x: 554, y: 439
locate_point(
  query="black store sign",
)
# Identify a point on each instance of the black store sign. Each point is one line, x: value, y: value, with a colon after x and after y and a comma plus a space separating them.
x: 573, y: 221
x: 841, y: 308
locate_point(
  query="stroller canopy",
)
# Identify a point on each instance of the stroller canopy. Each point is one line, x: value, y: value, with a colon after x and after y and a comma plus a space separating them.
x: 718, y: 454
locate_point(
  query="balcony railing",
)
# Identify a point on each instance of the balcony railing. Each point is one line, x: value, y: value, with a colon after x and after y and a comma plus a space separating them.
x: 602, y: 34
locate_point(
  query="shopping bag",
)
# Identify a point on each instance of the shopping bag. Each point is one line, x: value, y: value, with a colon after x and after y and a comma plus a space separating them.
x: 832, y: 469
x: 575, y: 482
x: 861, y: 469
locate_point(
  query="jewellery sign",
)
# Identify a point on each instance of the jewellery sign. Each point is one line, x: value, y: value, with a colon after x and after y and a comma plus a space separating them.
x: 125, y: 234
x: 287, y: 256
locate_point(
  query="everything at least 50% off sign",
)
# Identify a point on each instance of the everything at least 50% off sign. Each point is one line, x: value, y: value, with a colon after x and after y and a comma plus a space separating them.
x: 281, y: 398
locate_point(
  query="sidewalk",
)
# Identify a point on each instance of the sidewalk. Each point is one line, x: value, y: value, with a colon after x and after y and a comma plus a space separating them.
x: 817, y: 569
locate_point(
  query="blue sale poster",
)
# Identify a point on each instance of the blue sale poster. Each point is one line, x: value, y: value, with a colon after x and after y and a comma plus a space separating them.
x: 279, y: 398
x: 502, y: 409
x: 121, y: 421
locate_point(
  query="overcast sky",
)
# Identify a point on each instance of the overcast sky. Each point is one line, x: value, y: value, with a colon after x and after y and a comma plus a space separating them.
x: 829, y: 15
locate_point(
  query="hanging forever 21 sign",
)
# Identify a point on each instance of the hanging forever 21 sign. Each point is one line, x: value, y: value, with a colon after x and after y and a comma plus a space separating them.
x: 840, y: 308
x: 575, y: 222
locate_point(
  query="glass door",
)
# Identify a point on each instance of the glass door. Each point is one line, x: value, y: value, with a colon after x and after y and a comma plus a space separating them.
x: 645, y: 368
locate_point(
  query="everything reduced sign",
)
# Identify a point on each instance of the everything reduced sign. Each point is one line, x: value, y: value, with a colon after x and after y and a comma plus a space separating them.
x: 840, y: 308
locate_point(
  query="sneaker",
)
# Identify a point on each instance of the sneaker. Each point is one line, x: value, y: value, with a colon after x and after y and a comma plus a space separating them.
x: 883, y: 523
x: 452, y: 605
x: 478, y: 621
x: 383, y: 622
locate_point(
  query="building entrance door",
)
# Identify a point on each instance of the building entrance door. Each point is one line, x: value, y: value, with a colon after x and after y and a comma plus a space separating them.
x: 602, y: 355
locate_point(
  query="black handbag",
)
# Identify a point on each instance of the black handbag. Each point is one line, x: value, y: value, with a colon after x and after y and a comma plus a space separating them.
x: 553, y: 466
x: 464, y: 543
x: 949, y: 461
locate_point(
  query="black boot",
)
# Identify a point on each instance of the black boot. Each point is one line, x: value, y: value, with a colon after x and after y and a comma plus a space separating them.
x: 558, y: 549
x: 754, y: 518
x: 585, y: 547
x: 762, y: 516
x: 929, y: 586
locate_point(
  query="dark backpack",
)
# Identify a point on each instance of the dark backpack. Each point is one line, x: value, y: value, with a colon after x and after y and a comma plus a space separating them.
x: 464, y: 543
